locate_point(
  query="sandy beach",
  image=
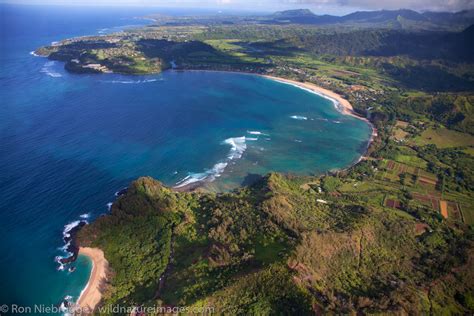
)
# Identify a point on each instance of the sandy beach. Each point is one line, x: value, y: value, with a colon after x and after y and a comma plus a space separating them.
x: 343, y: 105
x: 92, y: 293
x: 340, y: 103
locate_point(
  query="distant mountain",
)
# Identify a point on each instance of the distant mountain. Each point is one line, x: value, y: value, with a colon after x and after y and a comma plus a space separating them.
x: 294, y: 13
x: 395, y: 19
x: 303, y: 16
x: 466, y: 16
x: 465, y: 43
x: 382, y: 16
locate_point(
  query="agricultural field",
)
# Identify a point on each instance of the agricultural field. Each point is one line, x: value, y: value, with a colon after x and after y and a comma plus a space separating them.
x: 444, y: 138
x: 405, y: 209
x: 468, y: 215
x: 398, y: 132
x: 424, y: 187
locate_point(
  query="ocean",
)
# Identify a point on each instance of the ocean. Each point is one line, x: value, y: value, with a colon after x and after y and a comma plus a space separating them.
x: 69, y: 142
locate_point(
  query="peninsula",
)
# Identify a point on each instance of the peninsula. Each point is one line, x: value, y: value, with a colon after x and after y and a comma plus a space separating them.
x: 392, y: 234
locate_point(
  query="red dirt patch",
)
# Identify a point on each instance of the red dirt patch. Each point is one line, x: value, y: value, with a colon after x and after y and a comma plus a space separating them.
x: 391, y: 165
x: 428, y: 200
x: 420, y: 228
x: 392, y: 203
x: 454, y: 211
x: 443, y: 207
x: 427, y: 180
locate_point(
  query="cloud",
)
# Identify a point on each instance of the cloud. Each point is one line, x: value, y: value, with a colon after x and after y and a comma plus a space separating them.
x: 420, y: 5
x: 318, y: 6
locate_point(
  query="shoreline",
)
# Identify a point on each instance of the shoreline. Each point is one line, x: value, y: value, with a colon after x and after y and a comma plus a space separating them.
x: 342, y: 105
x: 91, y: 295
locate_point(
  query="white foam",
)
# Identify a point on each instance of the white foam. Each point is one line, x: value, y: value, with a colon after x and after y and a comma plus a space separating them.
x: 34, y: 54
x: 47, y: 69
x: 336, y: 103
x: 109, y: 206
x: 238, y: 147
x: 118, y: 192
x: 69, y: 227
x: 61, y: 266
x: 133, y: 81
x: 67, y: 234
x: 63, y: 307
x: 257, y: 133
x: 251, y: 138
x: 337, y: 122
x: 208, y: 175
x: 298, y: 140
x: 85, y: 215
x: 299, y: 117
x: 65, y: 247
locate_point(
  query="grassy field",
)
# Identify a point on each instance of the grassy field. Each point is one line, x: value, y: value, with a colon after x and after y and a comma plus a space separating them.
x: 411, y: 160
x: 468, y: 215
x: 444, y: 138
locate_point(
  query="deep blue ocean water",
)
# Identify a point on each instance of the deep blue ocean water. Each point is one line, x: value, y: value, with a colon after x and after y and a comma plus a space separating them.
x: 69, y: 142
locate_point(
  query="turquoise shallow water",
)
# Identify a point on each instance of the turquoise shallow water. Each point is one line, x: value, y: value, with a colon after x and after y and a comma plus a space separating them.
x: 69, y: 142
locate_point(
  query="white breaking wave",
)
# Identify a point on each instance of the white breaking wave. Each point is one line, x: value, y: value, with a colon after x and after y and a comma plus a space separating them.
x: 336, y: 103
x: 251, y: 138
x: 299, y: 117
x: 238, y: 147
x: 47, y: 69
x: 132, y: 81
x: 257, y: 133
x: 69, y: 227
x: 34, y: 54
x: 109, y: 206
x: 120, y: 192
x: 67, y: 235
x: 65, y: 247
x: 208, y: 175
x: 85, y: 215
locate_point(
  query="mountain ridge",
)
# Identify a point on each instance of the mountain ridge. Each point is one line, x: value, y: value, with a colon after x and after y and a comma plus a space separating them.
x: 424, y: 20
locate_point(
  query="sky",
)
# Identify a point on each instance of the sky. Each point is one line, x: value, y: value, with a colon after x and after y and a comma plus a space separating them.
x: 337, y: 7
